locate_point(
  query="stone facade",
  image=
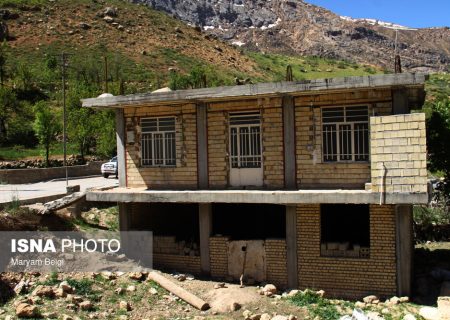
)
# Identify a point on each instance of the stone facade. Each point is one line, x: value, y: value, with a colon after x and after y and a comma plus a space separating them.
x: 348, y: 277
x: 398, y: 153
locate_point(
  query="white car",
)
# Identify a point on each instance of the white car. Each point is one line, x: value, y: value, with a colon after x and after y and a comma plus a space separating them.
x: 110, y: 168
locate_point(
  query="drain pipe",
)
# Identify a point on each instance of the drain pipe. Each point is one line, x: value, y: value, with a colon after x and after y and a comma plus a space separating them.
x: 382, y: 183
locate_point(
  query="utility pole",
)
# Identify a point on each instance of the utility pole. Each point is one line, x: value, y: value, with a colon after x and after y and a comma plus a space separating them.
x: 63, y: 66
x: 106, y: 74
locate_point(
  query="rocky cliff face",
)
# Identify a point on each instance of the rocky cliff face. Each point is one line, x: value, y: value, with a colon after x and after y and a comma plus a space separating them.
x: 296, y: 27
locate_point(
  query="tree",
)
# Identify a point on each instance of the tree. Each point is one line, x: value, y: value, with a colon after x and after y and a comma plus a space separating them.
x: 438, y: 136
x: 46, y: 126
x: 8, y: 106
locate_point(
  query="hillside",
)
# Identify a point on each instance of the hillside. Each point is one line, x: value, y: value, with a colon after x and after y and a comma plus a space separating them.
x: 296, y: 27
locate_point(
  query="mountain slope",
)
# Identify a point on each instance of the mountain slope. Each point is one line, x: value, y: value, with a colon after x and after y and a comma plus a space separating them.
x: 296, y: 27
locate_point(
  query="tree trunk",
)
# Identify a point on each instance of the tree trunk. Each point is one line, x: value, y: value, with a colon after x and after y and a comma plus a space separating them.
x: 3, y: 131
x: 47, y: 154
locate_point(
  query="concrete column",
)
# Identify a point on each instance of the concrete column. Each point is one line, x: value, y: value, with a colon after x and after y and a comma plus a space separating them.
x: 400, y: 101
x: 202, y: 146
x: 121, y: 158
x: 404, y: 244
x: 205, y: 221
x: 291, y: 246
x: 124, y: 216
x: 290, y: 177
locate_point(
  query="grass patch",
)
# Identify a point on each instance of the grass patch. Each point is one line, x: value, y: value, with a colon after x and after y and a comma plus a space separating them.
x: 316, y: 305
x: 52, y: 280
x: 20, y: 152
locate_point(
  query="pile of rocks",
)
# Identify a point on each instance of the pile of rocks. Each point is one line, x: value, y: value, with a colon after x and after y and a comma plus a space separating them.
x: 27, y: 164
x: 248, y: 315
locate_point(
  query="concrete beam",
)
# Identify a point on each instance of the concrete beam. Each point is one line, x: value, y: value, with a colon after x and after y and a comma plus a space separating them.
x: 291, y: 246
x: 290, y: 176
x: 259, y: 89
x: 254, y: 196
x: 205, y: 220
x: 202, y: 146
x: 404, y: 245
x: 120, y: 137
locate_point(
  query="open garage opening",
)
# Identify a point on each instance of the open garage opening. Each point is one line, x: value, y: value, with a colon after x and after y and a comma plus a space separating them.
x: 249, y: 221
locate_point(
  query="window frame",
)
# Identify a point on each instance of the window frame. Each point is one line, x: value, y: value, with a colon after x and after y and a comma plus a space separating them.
x: 338, y: 137
x: 164, y: 133
x: 239, y: 126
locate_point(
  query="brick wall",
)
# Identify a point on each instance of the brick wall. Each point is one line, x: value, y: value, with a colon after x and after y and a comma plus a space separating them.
x: 348, y: 277
x: 272, y: 140
x: 218, y: 250
x: 177, y: 262
x: 276, y: 265
x: 399, y: 142
x: 312, y: 172
x: 184, y: 175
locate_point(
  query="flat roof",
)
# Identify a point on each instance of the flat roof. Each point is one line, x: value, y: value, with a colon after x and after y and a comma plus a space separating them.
x: 294, y: 88
x: 143, y: 195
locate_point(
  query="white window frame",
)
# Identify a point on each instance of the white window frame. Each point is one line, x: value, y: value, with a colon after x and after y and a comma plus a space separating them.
x: 338, y: 130
x: 167, y: 159
x: 239, y: 156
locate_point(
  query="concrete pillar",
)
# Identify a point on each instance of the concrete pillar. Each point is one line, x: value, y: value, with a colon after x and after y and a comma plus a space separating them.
x: 124, y: 216
x: 400, y: 101
x: 121, y: 158
x: 290, y: 177
x: 205, y: 221
x: 202, y: 146
x: 291, y: 246
x: 404, y: 248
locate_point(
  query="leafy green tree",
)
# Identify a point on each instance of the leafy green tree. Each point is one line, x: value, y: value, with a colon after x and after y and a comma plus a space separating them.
x: 46, y: 126
x: 438, y: 135
x: 8, y: 106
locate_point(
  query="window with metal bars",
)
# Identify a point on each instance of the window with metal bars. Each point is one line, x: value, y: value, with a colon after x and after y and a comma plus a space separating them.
x: 345, y: 134
x: 245, y: 140
x: 158, y: 141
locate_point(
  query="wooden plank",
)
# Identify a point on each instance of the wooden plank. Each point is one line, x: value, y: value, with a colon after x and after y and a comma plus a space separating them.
x: 259, y: 89
x: 291, y: 246
x: 205, y: 220
x: 202, y: 146
x: 290, y: 177
x: 404, y: 245
x: 121, y: 155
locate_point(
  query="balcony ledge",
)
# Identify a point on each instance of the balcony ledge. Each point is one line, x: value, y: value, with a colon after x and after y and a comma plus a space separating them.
x: 142, y: 195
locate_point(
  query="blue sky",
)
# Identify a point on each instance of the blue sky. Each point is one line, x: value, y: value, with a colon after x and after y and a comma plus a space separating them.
x: 411, y: 13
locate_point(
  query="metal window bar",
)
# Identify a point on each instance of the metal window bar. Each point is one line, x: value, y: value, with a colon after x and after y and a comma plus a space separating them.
x: 345, y: 134
x: 158, y: 141
x: 245, y: 140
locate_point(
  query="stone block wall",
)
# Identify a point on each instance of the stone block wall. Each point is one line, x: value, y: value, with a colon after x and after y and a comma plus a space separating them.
x: 218, y: 251
x: 184, y: 175
x: 348, y: 277
x: 399, y: 143
x: 312, y: 171
x: 272, y: 140
x: 276, y: 264
x: 179, y: 263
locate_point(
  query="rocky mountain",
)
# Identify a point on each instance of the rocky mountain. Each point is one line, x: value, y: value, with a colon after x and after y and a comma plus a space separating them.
x: 297, y: 27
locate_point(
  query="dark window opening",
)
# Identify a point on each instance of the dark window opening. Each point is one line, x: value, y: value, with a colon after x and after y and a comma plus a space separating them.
x: 249, y: 221
x: 175, y: 227
x: 345, y: 230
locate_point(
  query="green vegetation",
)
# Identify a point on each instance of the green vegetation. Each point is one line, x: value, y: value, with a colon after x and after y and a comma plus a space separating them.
x: 317, y: 306
x: 273, y: 67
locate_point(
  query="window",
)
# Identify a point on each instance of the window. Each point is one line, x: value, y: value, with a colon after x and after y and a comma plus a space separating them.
x: 345, y: 134
x: 345, y: 230
x: 245, y: 140
x: 158, y: 141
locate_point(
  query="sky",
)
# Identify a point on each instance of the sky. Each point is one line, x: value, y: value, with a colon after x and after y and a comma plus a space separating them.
x: 410, y: 13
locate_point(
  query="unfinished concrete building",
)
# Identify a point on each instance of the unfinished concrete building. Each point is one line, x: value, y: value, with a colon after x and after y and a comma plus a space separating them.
x: 302, y: 184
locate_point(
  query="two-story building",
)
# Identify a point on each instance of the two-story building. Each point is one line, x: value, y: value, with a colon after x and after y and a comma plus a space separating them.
x: 303, y: 184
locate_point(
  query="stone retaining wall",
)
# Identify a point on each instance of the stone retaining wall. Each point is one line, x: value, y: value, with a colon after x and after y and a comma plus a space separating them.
x: 19, y: 176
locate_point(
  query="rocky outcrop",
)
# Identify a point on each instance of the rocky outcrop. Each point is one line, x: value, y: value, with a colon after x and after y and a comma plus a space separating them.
x: 295, y: 26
